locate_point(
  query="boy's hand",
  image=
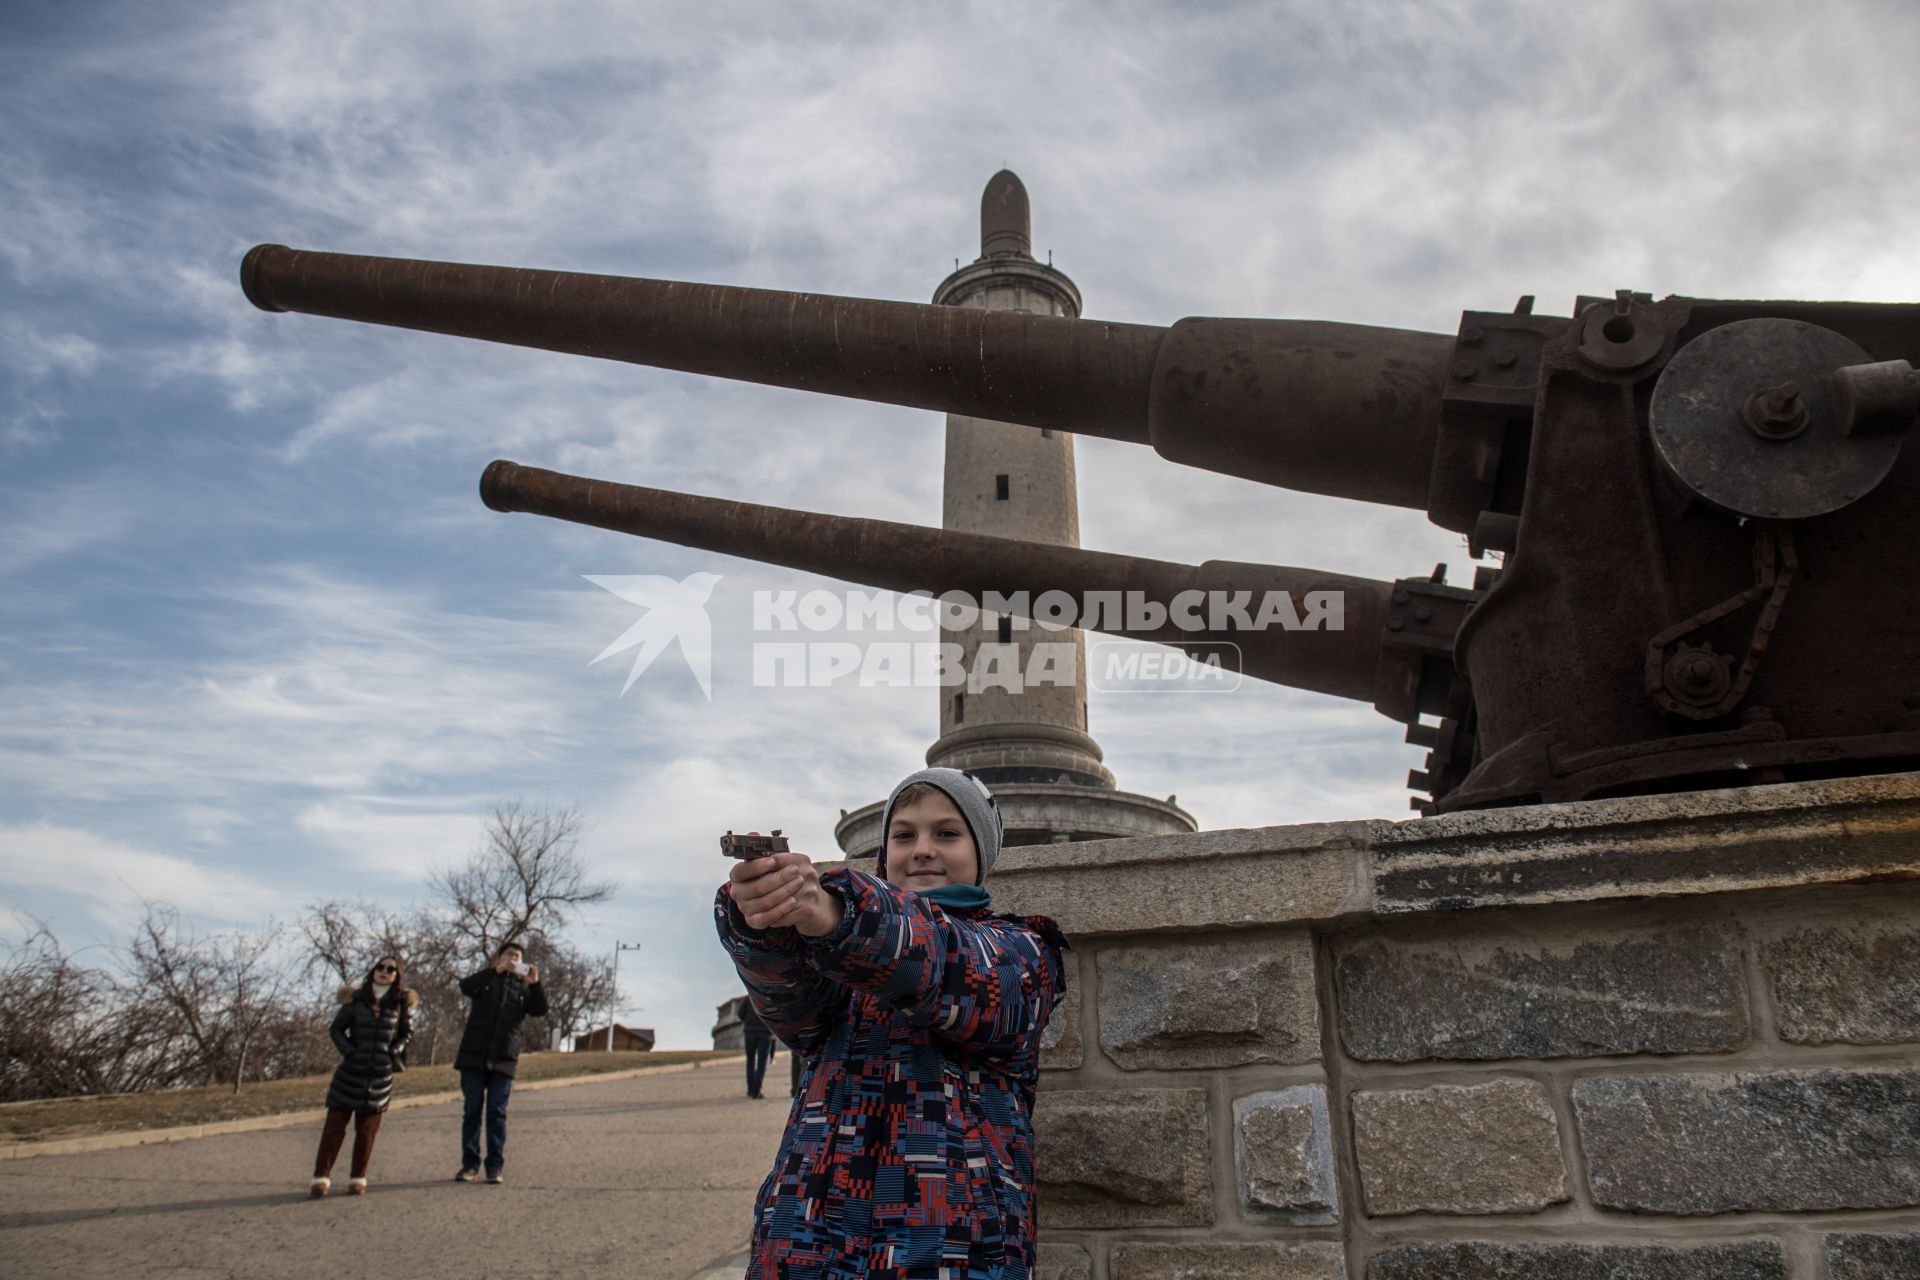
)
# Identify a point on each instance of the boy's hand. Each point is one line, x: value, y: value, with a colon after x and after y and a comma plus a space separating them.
x: 533, y: 974
x: 783, y: 891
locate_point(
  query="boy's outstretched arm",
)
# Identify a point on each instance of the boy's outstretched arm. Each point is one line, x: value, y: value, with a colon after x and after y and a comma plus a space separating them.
x: 798, y: 1003
x: 985, y: 985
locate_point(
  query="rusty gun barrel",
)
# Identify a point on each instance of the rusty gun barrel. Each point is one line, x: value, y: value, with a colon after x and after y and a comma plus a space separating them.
x: 1043, y: 371
x: 1347, y: 410
x: 904, y: 557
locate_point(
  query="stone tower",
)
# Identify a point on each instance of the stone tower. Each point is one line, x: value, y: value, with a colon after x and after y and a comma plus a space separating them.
x: 1030, y: 746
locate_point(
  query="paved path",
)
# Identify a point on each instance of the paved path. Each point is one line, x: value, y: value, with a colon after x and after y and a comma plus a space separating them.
x: 651, y: 1177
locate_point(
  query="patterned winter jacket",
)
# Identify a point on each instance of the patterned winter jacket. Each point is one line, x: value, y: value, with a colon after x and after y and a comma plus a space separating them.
x: 909, y: 1151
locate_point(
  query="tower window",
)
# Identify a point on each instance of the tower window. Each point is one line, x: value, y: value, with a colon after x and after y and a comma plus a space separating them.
x: 1046, y: 433
x: 1006, y: 629
x: 1000, y: 488
x: 959, y: 708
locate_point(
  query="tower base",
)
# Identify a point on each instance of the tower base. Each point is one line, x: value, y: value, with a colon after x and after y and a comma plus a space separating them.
x: 1042, y: 813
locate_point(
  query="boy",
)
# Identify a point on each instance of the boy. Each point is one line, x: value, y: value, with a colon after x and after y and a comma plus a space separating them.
x: 920, y: 1013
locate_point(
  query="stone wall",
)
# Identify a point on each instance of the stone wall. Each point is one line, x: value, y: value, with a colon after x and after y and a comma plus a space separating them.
x: 1628, y: 1039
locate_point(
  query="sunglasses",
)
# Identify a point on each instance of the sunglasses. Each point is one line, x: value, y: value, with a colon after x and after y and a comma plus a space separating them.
x: 386, y: 968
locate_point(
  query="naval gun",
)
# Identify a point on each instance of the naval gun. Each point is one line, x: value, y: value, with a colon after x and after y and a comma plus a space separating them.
x: 1702, y: 514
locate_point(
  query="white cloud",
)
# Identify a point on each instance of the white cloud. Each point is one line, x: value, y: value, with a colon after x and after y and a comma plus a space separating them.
x: 56, y: 522
x: 395, y: 842
x: 205, y: 826
x: 34, y: 353
x: 43, y: 861
x: 308, y: 681
x: 30, y: 425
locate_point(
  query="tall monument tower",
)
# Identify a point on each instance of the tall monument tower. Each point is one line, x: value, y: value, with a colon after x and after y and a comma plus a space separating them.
x: 1029, y: 744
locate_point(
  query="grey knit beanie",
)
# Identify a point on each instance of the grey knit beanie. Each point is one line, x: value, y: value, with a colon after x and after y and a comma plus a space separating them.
x: 975, y: 803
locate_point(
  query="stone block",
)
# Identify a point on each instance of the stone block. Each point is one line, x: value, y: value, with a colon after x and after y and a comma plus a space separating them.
x: 1207, y: 880
x: 1061, y: 1047
x: 1484, y: 1260
x: 1851, y: 983
x: 1873, y: 1257
x: 1062, y: 1262
x: 1283, y: 1155
x: 1786, y: 1141
x: 1482, y: 1148
x: 1537, y: 993
x: 1158, y: 1261
x: 1843, y: 831
x: 1122, y: 1158
x: 1210, y: 1004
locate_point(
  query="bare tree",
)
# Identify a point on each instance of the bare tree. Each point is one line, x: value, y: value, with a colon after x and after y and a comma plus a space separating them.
x: 337, y: 933
x: 44, y: 998
x: 578, y: 986
x: 185, y: 1011
x: 345, y: 938
x: 61, y: 1032
x: 526, y: 878
x: 433, y: 958
x: 214, y: 1000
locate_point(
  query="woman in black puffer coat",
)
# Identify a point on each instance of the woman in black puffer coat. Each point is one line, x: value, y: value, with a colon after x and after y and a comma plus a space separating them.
x: 371, y: 1032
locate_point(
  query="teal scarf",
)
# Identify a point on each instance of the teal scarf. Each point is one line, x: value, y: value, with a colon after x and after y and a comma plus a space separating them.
x: 959, y: 897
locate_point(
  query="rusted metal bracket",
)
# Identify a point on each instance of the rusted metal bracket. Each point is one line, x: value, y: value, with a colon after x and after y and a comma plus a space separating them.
x: 1426, y: 614
x: 1423, y: 617
x: 1486, y: 416
x: 1693, y: 680
x: 1452, y: 749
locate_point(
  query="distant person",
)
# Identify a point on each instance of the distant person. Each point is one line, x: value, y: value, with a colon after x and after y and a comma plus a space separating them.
x: 371, y: 1032
x: 759, y: 1045
x: 502, y: 994
x: 920, y: 1012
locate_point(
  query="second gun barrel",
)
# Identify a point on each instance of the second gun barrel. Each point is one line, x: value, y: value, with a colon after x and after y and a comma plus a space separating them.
x: 902, y: 557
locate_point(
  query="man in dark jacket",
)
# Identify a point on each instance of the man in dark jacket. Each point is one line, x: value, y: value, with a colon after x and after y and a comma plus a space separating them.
x: 759, y: 1045
x: 502, y: 994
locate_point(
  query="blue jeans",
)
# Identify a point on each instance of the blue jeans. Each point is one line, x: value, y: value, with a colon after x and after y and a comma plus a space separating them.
x: 484, y: 1090
x: 759, y: 1054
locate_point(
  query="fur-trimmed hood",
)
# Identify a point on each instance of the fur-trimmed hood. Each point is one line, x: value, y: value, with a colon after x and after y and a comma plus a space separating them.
x: 349, y: 989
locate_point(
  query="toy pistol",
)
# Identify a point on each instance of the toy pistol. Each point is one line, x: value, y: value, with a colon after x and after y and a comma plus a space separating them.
x: 753, y: 844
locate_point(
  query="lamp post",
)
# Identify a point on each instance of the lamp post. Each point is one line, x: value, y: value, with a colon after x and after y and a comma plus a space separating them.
x: 618, y: 947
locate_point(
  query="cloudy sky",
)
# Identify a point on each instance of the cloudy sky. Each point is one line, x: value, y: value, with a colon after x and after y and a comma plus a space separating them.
x: 260, y: 643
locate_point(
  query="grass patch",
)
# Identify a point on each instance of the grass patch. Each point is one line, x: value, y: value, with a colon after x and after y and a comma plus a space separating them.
x: 171, y: 1108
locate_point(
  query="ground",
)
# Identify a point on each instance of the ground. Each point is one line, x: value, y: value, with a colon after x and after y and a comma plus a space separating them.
x: 167, y: 1108
x: 649, y: 1177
